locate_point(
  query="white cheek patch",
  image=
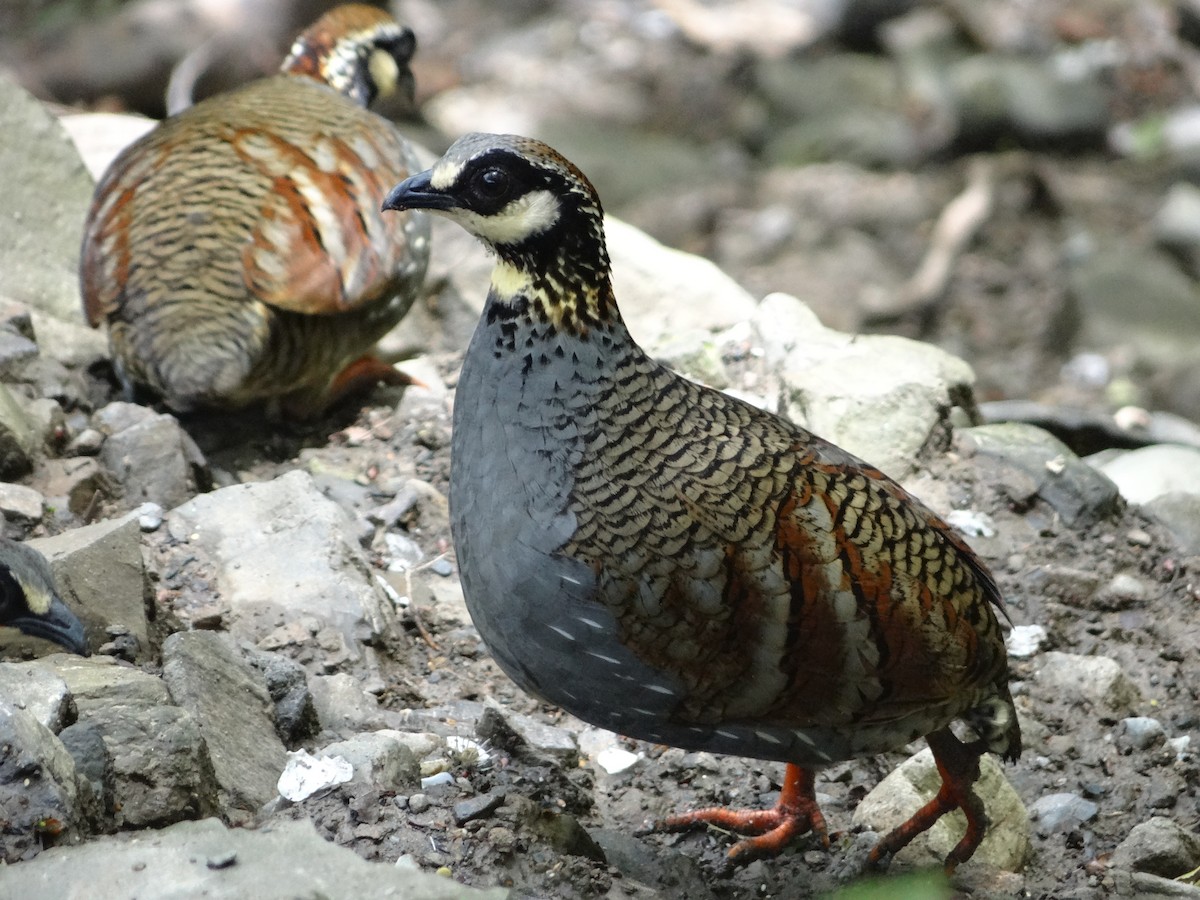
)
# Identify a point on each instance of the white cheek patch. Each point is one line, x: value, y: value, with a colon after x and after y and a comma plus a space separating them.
x: 522, y: 218
x: 384, y: 72
x: 444, y: 174
x: 36, y: 599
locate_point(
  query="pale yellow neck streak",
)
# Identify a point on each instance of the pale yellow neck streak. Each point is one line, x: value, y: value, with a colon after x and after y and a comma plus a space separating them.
x: 566, y: 308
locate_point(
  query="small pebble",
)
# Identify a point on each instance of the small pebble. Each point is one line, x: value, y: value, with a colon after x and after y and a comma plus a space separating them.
x: 972, y: 523
x: 418, y: 803
x: 476, y: 807
x: 404, y: 552
x: 1139, y: 538
x: 1061, y: 812
x: 615, y: 760
x: 441, y: 566
x: 150, y: 517
x: 87, y: 443
x: 1143, y: 732
x: 1025, y: 640
x: 222, y: 861
x: 433, y: 781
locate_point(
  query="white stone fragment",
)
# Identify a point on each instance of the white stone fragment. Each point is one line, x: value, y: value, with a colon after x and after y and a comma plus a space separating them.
x: 305, y: 774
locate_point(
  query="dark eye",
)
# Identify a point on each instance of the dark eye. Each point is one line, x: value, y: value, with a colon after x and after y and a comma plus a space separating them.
x: 491, y: 184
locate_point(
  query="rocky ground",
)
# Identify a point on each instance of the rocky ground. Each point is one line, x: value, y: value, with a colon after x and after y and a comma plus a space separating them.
x: 1010, y: 187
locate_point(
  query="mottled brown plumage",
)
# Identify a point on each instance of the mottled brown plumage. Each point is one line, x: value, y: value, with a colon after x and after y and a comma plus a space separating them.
x: 237, y: 251
x: 674, y: 564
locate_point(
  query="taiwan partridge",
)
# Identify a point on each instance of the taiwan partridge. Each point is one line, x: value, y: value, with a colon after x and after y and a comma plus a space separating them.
x: 668, y: 562
x: 29, y: 602
x: 237, y: 250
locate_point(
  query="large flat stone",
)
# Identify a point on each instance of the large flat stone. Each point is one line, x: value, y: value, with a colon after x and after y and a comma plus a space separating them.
x: 281, y: 861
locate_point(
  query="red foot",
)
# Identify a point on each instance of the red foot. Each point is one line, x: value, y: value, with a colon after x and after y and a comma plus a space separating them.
x: 959, y: 768
x: 794, y: 814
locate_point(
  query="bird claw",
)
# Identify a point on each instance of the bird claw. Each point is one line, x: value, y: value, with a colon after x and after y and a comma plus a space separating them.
x: 772, y: 829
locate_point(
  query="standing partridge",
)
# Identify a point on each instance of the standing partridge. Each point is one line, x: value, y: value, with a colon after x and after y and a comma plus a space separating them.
x: 668, y: 562
x: 237, y: 250
x: 29, y: 602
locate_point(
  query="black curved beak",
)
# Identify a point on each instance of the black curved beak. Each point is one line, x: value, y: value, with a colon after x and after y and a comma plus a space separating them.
x: 58, y: 624
x: 415, y: 192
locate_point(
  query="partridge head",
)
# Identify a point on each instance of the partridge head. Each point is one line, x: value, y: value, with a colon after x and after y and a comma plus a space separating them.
x: 237, y: 251
x: 674, y: 564
x: 30, y: 603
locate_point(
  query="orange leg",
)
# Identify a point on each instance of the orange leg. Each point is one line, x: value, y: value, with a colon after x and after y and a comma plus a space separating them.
x: 795, y: 813
x: 959, y: 768
x: 365, y: 372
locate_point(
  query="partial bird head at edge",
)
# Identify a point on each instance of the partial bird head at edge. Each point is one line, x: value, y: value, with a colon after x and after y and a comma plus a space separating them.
x: 358, y: 50
x: 29, y: 602
x: 536, y: 211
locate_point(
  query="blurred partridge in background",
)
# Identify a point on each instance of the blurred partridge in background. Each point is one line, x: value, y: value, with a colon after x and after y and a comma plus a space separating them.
x: 237, y: 251
x: 673, y: 564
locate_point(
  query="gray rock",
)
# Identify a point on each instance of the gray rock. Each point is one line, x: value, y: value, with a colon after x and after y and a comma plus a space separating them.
x: 526, y: 735
x: 1061, y: 812
x: 295, y: 715
x: 639, y: 861
x: 69, y: 342
x: 230, y: 702
x: 879, y: 396
x: 379, y: 758
x: 1143, y: 884
x: 1077, y: 587
x: 1097, y: 680
x: 1161, y: 328
x: 39, y: 691
x: 46, y: 199
x: 93, y: 764
x: 342, y: 705
x: 645, y: 273
x: 282, y: 550
x: 21, y: 506
x: 477, y: 807
x: 37, y: 782
x: 1148, y: 473
x: 154, y: 460
x: 18, y: 436
x: 846, y: 106
x: 101, y: 575
x: 1024, y: 641
x: 161, y: 769
x: 1181, y: 514
x: 1078, y: 493
x: 100, y: 136
x: 16, y: 353
x: 1142, y: 732
x: 79, y: 480
x: 916, y: 781
x: 1027, y: 97
x: 281, y: 861
x: 1177, y: 223
x: 1159, y: 846
x: 96, y: 681
x: 1123, y: 591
